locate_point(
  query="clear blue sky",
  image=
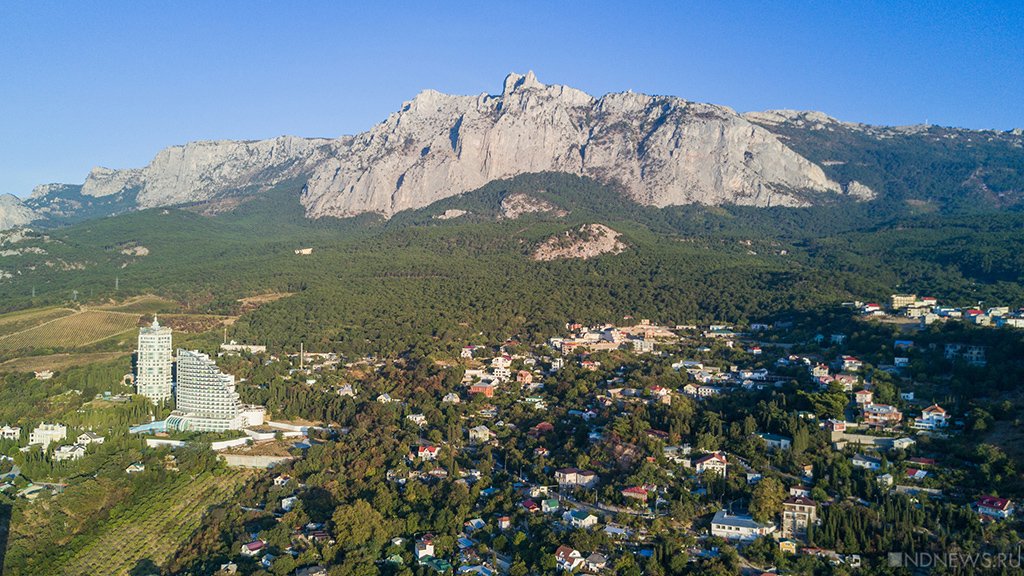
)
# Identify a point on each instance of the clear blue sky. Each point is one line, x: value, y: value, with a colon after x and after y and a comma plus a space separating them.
x: 109, y: 83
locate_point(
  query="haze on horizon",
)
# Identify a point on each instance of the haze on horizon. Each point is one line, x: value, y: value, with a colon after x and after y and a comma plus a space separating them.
x: 111, y: 85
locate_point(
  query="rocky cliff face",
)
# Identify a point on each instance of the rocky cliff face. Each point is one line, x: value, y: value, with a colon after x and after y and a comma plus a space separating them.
x: 14, y: 213
x: 661, y: 150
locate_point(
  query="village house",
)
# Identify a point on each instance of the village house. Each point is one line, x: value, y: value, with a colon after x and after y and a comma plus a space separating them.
x: 866, y: 462
x: 994, y: 507
x: 253, y: 548
x: 596, y: 562
x: 524, y: 377
x: 933, y: 417
x: 579, y: 519
x: 738, y: 527
x: 776, y: 441
x: 848, y: 364
x: 881, y: 415
x: 574, y: 477
x: 635, y: 493
x: 863, y: 396
x: 549, y: 505
x: 486, y: 388
x: 427, y: 452
x: 425, y: 546
x: 480, y: 434
x: 715, y: 462
x: 451, y: 398
x: 568, y: 559
x: 68, y: 452
x: 10, y: 433
x: 417, y: 419
x: 798, y: 512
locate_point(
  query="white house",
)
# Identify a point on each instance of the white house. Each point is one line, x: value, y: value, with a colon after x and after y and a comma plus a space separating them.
x: 568, y: 559
x: 931, y: 418
x: 87, y: 438
x: 68, y: 452
x: 10, y: 433
x: 866, y: 462
x: 46, y: 434
x: 579, y: 519
x: 711, y: 462
x: 738, y: 527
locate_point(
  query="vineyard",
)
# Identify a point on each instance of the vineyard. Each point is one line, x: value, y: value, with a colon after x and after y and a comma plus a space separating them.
x: 72, y: 331
x: 150, y: 531
x: 18, y: 321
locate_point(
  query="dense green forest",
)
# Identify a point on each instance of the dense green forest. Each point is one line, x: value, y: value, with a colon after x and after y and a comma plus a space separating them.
x: 374, y: 286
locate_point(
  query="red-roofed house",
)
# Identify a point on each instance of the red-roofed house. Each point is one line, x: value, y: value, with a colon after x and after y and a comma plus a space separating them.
x: 568, y: 559
x: 931, y: 418
x: 994, y: 507
x: 715, y: 462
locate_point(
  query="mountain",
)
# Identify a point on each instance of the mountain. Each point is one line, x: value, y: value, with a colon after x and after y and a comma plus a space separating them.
x: 922, y: 168
x: 659, y: 150
x: 655, y: 150
x: 14, y: 213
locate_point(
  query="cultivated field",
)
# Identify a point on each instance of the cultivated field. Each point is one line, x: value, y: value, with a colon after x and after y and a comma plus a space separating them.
x: 72, y: 331
x: 21, y: 320
x: 153, y: 529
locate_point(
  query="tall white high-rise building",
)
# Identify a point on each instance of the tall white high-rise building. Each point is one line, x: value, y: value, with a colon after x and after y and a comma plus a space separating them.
x: 205, y: 398
x: 153, y: 366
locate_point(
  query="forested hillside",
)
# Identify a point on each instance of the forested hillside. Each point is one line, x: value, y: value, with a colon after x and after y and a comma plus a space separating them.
x: 450, y: 271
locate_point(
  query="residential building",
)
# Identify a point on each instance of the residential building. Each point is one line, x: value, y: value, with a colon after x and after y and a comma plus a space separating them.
x: 428, y: 452
x: 206, y: 400
x: 738, y: 527
x: 596, y: 562
x: 715, y: 462
x: 68, y: 452
x: 579, y: 519
x: 863, y: 396
x: 882, y: 415
x: 798, y: 512
x: 931, y: 418
x: 994, y: 507
x: 480, y: 434
x: 777, y: 441
x: 10, y: 433
x: 573, y: 477
x: 568, y: 559
x: 153, y: 376
x: 253, y: 548
x: 425, y: 546
x: 46, y: 434
x: 486, y: 388
x: 866, y: 462
x: 87, y: 438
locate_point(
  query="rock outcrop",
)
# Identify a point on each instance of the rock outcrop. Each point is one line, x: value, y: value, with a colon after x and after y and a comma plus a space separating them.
x: 588, y: 241
x: 14, y: 213
x: 515, y: 205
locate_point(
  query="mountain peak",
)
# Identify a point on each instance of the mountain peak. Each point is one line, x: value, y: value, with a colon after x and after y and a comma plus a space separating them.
x: 518, y: 82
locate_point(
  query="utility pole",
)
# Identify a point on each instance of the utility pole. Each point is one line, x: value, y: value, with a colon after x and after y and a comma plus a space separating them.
x: 117, y: 283
x: 302, y: 355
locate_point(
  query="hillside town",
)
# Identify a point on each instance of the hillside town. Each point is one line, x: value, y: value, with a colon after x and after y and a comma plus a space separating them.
x: 580, y: 454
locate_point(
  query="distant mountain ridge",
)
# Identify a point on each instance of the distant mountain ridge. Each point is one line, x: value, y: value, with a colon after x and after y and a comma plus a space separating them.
x: 658, y: 150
